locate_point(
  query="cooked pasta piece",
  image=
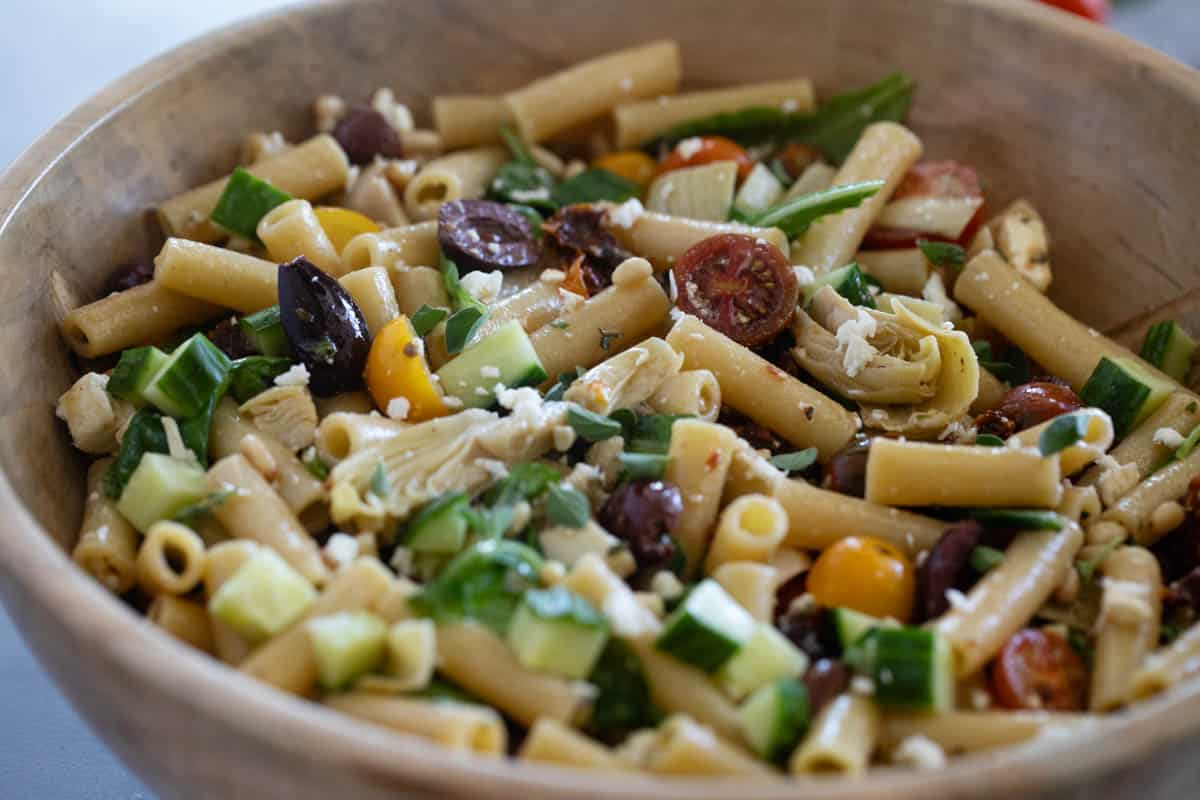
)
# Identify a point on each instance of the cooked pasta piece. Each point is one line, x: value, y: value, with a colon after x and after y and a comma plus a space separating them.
x: 694, y: 392
x: 626, y: 379
x: 374, y: 294
x: 1142, y: 446
x: 1091, y: 446
x: 411, y: 245
x: 342, y: 434
x: 685, y: 747
x: 464, y: 175
x: 551, y: 742
x: 1127, y: 629
x: 899, y: 271
x: 466, y: 120
x: 964, y: 731
x: 216, y: 275
x: 146, y: 313
x: 841, y: 739
x: 291, y: 230
x: 1080, y: 503
x: 752, y: 584
x: 1168, y: 666
x: 1135, y: 511
x: 751, y: 528
x: 170, y: 559
x: 221, y: 562
x: 186, y: 620
x: 456, y: 726
x: 93, y: 416
x: 107, y: 547
x: 297, y: 487
x: 678, y: 688
x: 661, y: 238
x: 700, y: 454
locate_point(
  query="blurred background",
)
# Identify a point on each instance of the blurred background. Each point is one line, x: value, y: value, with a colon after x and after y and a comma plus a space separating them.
x: 56, y: 58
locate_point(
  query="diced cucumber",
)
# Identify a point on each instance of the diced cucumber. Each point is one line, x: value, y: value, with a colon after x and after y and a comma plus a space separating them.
x: 557, y: 631
x: 265, y: 331
x: 133, y: 373
x: 346, y: 646
x: 767, y: 656
x: 775, y: 717
x: 440, y: 527
x: 159, y: 488
x: 707, y: 629
x: 848, y: 281
x: 1124, y: 389
x: 186, y: 383
x: 850, y: 626
x: 758, y: 192
x: 264, y: 596
x: 504, y: 356
x: 245, y: 201
x: 1168, y: 347
x: 912, y: 668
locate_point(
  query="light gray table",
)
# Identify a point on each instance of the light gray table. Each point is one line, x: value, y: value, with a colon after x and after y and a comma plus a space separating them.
x: 49, y: 64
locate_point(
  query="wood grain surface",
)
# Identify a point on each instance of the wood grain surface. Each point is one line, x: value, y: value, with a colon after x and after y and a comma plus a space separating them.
x: 1099, y: 131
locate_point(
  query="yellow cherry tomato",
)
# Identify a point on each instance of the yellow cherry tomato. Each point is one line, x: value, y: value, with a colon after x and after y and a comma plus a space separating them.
x: 632, y: 165
x: 396, y: 367
x: 341, y: 224
x: 864, y: 574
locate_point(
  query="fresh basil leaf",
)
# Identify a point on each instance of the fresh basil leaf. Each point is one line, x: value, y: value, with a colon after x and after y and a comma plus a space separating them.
x: 426, y: 318
x: 1063, y: 432
x: 795, y: 216
x: 984, y: 558
x: 1015, y: 370
x: 593, y: 186
x: 483, y: 583
x: 527, y: 481
x: 461, y: 327
x: 591, y: 426
x: 253, y: 375
x: 566, y: 505
x: 144, y: 434
x: 795, y: 462
x: 516, y: 145
x: 527, y: 184
x: 650, y: 433
x: 989, y: 440
x: 643, y: 466
x: 244, y: 202
x: 558, y: 603
x: 380, y: 485
x: 192, y: 514
x: 1020, y: 519
x: 489, y: 523
x: 622, y: 703
x: 943, y: 254
x: 564, y: 382
x: 460, y: 298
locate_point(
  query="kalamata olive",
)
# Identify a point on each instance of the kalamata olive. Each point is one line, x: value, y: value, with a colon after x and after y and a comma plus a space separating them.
x: 580, y: 230
x: 825, y: 679
x: 847, y: 470
x: 227, y: 335
x: 1178, y: 552
x: 1033, y: 403
x: 127, y: 276
x: 324, y: 327
x: 944, y: 567
x: 643, y: 515
x: 788, y: 592
x: 365, y: 133
x: 482, y: 234
x: 810, y: 631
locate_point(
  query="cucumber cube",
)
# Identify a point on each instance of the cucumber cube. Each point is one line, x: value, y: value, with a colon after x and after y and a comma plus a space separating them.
x: 557, y: 631
x: 913, y: 668
x: 707, y: 629
x: 160, y: 488
x: 264, y: 329
x: 186, y: 383
x: 766, y: 657
x: 1126, y: 390
x: 504, y: 356
x: 346, y: 645
x: 134, y: 372
x: 775, y: 717
x: 440, y: 527
x: 850, y: 626
x: 263, y: 597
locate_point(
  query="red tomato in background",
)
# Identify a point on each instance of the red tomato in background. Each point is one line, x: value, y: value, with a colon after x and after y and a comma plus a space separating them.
x: 1096, y: 10
x: 700, y: 150
x: 930, y: 179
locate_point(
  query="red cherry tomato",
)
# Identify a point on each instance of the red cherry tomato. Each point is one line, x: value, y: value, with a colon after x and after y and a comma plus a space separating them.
x: 1038, y: 670
x: 741, y: 286
x: 1096, y: 10
x: 701, y: 150
x: 930, y: 179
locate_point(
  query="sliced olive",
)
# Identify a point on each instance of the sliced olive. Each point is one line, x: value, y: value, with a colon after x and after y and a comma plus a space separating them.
x: 324, y: 327
x: 365, y: 133
x: 482, y: 234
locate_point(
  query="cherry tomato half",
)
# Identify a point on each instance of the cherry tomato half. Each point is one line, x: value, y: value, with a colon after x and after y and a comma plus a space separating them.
x: 797, y: 157
x: 701, y: 150
x: 1096, y: 10
x: 741, y: 286
x: 1037, y: 670
x: 865, y: 574
x: 930, y: 179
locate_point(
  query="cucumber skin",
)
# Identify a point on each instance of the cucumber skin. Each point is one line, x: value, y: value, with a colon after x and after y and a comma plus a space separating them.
x: 265, y: 331
x: 1112, y: 388
x: 186, y: 383
x: 909, y: 667
x: 692, y: 642
x: 1168, y: 347
x: 850, y: 626
x: 134, y: 372
x: 465, y: 368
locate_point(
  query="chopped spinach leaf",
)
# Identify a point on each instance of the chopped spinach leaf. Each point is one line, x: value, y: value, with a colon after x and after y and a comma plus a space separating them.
x: 483, y: 583
x: 1063, y: 432
x: 461, y: 327
x: 591, y: 426
x: 593, y: 186
x: 144, y: 434
x: 253, y: 375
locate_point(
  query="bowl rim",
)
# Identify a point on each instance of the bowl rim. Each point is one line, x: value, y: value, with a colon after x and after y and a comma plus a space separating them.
x: 29, y: 555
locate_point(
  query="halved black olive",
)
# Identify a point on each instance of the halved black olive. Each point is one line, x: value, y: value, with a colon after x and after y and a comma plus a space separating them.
x: 365, y: 133
x: 324, y: 326
x: 482, y: 234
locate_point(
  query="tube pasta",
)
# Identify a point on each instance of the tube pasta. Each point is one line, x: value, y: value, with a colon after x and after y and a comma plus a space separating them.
x: 1135, y: 510
x: 411, y: 245
x: 551, y: 742
x: 592, y: 579
x: 694, y: 392
x: 416, y: 287
x: 1004, y: 599
x: 291, y: 230
x: 1130, y: 612
x: 661, y: 238
x: 794, y: 410
x: 1167, y: 666
x: 107, y: 544
x: 1080, y: 503
x: 751, y: 528
x: 841, y: 739
x: 466, y: 120
x: 287, y: 661
x: 170, y: 559
x: 464, y: 175
x: 186, y: 620
x: 817, y: 517
x: 254, y: 511
x: 216, y: 275
x: 375, y: 296
x: 626, y: 379
x: 594, y: 86
x: 297, y: 487
x: 222, y: 561
x: 536, y: 305
x: 145, y: 313
x: 700, y: 454
x: 899, y: 271
x: 885, y: 151
x: 633, y: 306
x: 342, y: 434
x: 1095, y: 442
x: 753, y: 585
x: 1010, y: 304
x: 309, y: 170
x: 480, y: 662
x: 964, y: 731
x: 678, y: 688
x: 638, y: 123
x: 922, y: 474
x: 1180, y: 412
x: 685, y: 747
x: 457, y: 726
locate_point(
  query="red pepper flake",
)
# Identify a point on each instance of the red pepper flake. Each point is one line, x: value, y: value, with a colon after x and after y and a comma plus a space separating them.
x: 713, y: 460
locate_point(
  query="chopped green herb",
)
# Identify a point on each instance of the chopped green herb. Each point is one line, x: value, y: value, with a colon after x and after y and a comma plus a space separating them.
x: 566, y: 505
x: 489, y: 523
x: 192, y: 514
x: 943, y: 254
x: 525, y: 184
x: 1188, y: 445
x: 461, y: 327
x: 564, y: 381
x: 1063, y: 432
x: 593, y: 186
x: 795, y: 216
x: 245, y: 201
x: 989, y: 440
x: 643, y: 466
x: 622, y: 703
x: 484, y: 583
x: 591, y: 426
x: 984, y: 558
x: 527, y: 481
x: 561, y: 324
x: 1021, y: 519
x: 1014, y: 370
x: 253, y: 375
x: 426, y: 318
x: 607, y: 338
x: 795, y: 462
x: 460, y: 298
x: 380, y: 485
x: 650, y: 433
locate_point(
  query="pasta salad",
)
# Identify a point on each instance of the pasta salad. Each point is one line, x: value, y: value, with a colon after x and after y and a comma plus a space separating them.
x: 608, y: 425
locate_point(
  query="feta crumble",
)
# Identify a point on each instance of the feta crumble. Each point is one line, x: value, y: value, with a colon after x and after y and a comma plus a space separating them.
x: 398, y: 408
x: 689, y: 147
x: 919, y: 752
x: 483, y: 286
x: 297, y: 375
x: 1168, y: 437
x: 852, y: 335
x: 627, y: 213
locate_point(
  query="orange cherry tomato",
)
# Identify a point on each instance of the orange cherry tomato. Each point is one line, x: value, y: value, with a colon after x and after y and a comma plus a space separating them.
x: 632, y: 165
x: 865, y: 574
x: 700, y: 150
x: 930, y: 179
x: 1037, y: 670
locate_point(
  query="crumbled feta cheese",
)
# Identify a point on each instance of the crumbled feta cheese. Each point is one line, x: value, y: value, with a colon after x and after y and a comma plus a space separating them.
x: 483, y: 286
x: 525, y: 195
x: 627, y: 213
x: 296, y: 376
x: 957, y: 600
x: 934, y: 291
x: 452, y: 403
x: 341, y: 549
x: 524, y: 397
x: 861, y: 684
x: 919, y: 752
x: 689, y: 147
x: 398, y: 408
x: 666, y: 585
x: 488, y: 371
x: 497, y: 469
x: 960, y: 432
x: 564, y: 437
x: 852, y: 339
x: 1168, y: 437
x: 804, y: 275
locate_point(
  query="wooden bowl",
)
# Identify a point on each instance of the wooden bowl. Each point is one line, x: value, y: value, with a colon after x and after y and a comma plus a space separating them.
x: 1100, y: 131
